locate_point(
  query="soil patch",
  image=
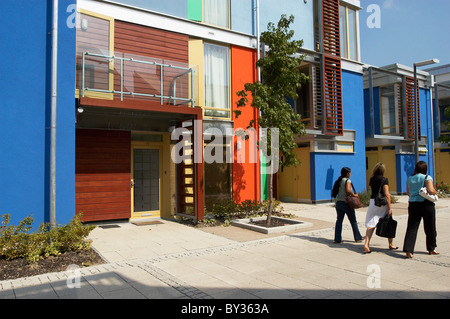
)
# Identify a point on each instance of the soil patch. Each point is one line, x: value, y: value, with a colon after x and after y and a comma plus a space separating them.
x: 274, y: 222
x: 19, y: 268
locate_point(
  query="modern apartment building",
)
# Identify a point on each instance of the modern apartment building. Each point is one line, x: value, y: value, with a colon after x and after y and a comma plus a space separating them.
x: 331, y: 104
x: 390, y: 122
x: 441, y: 99
x: 144, y: 95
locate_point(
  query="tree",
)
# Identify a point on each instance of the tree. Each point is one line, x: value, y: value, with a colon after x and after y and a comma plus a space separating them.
x: 281, y: 79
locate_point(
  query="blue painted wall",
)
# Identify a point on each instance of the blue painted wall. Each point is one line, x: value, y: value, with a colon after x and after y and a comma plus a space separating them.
x: 426, y: 128
x: 367, y: 119
x: 326, y: 167
x: 25, y: 60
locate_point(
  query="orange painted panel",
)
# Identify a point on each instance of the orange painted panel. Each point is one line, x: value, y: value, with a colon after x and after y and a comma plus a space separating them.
x: 246, y: 182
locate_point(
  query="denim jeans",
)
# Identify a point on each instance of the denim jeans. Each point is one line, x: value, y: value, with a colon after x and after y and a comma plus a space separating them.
x: 343, y: 209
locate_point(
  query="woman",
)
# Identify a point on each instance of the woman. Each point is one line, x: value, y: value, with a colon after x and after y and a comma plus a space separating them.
x: 419, y: 208
x: 377, y: 183
x: 343, y: 187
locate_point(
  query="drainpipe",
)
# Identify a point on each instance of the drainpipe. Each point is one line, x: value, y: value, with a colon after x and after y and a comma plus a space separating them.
x: 258, y: 39
x: 431, y: 152
x: 53, y: 116
x: 258, y: 54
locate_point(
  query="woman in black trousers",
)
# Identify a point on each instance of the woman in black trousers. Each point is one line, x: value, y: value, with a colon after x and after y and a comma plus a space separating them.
x: 420, y: 208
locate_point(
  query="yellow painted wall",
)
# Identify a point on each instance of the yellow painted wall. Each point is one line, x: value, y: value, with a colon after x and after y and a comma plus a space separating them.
x: 196, y: 60
x: 388, y: 158
x: 442, y: 167
x: 294, y: 183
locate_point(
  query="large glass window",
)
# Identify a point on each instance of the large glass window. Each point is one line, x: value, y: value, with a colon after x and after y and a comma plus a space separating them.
x: 348, y: 18
x: 343, y: 30
x: 444, y: 117
x: 95, y: 42
x: 217, y: 12
x: 217, y: 81
x: 390, y: 110
x: 217, y: 172
x: 303, y: 104
x: 387, y: 101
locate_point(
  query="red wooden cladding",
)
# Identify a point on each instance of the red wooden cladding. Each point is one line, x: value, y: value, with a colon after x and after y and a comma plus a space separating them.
x: 410, y: 109
x: 140, y: 42
x: 103, y: 175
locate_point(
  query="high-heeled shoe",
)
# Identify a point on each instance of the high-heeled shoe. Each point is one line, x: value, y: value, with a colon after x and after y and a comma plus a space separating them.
x: 393, y: 247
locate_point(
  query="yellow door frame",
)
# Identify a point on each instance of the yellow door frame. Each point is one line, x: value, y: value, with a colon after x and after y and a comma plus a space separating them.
x: 147, y: 145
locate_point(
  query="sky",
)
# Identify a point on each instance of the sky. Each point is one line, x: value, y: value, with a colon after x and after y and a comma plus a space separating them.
x: 409, y: 31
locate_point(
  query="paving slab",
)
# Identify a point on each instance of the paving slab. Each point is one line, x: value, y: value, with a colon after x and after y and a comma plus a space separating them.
x: 169, y: 260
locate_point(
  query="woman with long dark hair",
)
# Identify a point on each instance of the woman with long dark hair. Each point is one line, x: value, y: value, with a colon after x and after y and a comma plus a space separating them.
x: 343, y: 187
x: 419, y: 208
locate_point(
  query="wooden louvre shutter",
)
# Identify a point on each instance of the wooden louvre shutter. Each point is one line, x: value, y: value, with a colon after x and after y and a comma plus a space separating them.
x: 331, y: 68
x: 317, y: 96
x: 410, y: 109
x: 331, y: 36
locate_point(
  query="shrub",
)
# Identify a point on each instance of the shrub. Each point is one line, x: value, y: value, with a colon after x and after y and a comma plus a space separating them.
x: 364, y: 196
x: 443, y: 189
x: 19, y: 242
x: 223, y: 211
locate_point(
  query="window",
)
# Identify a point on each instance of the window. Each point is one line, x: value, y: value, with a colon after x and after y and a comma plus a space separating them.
x: 216, y: 12
x: 303, y: 104
x: 218, y: 181
x: 217, y: 81
x: 391, y: 114
x: 348, y: 19
x: 443, y: 116
x: 388, y: 110
x: 95, y: 41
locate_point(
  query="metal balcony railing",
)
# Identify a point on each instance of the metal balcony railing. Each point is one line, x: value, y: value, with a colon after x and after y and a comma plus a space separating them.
x: 128, y: 76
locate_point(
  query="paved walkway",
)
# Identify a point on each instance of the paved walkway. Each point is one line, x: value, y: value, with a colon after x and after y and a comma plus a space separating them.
x: 174, y: 261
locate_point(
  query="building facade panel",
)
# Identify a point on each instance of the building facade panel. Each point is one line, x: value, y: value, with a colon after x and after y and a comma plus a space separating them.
x: 26, y: 111
x: 102, y: 176
x: 246, y: 164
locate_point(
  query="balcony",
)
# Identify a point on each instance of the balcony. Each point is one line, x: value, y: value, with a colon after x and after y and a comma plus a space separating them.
x: 127, y: 77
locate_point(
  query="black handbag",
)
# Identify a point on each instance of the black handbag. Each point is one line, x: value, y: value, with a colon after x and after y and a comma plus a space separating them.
x: 386, y: 227
x: 380, y: 199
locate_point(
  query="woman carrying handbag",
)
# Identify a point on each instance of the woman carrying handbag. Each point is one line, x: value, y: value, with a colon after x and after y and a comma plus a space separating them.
x: 379, y: 206
x: 418, y: 208
x: 341, y: 189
